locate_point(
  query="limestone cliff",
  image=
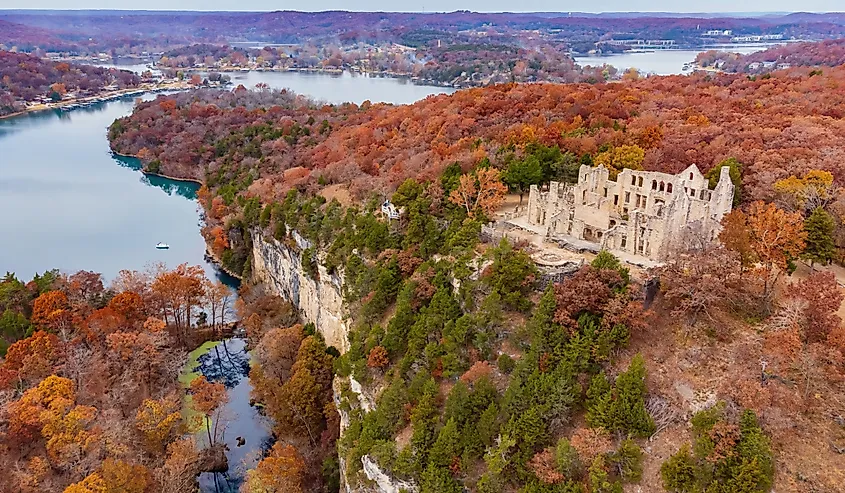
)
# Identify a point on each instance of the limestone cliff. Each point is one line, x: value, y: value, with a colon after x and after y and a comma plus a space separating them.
x: 279, y: 267
x: 320, y: 301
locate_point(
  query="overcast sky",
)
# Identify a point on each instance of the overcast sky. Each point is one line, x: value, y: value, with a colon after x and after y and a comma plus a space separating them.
x: 444, y: 5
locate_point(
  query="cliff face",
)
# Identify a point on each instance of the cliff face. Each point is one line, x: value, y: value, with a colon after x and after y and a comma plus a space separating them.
x: 320, y: 301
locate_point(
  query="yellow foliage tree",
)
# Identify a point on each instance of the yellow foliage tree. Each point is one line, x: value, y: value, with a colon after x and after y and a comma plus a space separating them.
x: 123, y: 477
x: 279, y: 472
x: 618, y: 158
x: 814, y: 189
x: 115, y: 476
x: 158, y: 420
x: 93, y: 483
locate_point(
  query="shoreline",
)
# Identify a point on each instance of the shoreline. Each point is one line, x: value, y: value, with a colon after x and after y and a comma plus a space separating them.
x: 211, y: 257
x: 160, y: 175
x: 209, y: 254
x: 90, y: 100
x: 331, y: 72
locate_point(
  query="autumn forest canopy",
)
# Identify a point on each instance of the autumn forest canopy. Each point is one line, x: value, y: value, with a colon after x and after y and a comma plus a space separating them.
x: 446, y: 356
x: 776, y: 127
x: 488, y: 375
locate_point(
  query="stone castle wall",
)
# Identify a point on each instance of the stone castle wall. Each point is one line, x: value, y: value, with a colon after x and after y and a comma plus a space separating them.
x: 642, y: 213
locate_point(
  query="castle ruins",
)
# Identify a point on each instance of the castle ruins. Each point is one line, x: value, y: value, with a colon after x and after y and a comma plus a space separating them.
x: 642, y: 213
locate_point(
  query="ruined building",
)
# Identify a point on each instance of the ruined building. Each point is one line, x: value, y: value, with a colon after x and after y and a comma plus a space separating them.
x: 642, y: 213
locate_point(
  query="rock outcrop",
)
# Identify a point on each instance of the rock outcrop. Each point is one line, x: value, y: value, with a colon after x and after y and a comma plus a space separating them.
x: 384, y: 482
x: 320, y: 301
x: 278, y: 265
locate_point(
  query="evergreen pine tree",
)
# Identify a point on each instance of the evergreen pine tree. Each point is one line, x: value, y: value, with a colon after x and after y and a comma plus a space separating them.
x: 819, y: 227
x: 545, y: 334
x: 439, y: 480
x: 678, y: 472
x: 630, y: 414
x: 446, y: 447
x: 487, y: 425
x: 423, y: 422
x: 600, y: 403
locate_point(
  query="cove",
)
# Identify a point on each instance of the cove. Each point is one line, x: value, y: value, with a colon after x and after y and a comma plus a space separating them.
x: 69, y: 203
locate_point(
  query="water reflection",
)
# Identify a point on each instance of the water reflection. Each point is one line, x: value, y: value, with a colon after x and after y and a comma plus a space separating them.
x: 227, y: 362
x: 186, y: 189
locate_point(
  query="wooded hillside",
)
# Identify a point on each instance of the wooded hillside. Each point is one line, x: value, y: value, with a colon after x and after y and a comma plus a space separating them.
x: 776, y: 127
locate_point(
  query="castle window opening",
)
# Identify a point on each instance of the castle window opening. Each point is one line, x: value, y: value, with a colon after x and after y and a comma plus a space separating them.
x: 658, y: 221
x: 691, y: 176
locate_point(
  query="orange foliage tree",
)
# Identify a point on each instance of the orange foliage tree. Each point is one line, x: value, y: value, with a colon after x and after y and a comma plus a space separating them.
x: 378, y: 357
x: 280, y: 472
x: 30, y: 359
x: 51, y: 311
x: 208, y: 398
x: 771, y: 237
x: 179, y: 291
x: 128, y: 304
x: 480, y: 193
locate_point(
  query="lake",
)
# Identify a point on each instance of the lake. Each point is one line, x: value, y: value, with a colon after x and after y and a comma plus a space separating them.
x: 341, y: 88
x: 69, y: 203
x: 663, y: 62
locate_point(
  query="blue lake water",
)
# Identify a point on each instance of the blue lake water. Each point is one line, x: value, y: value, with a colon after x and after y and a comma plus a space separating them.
x: 662, y: 62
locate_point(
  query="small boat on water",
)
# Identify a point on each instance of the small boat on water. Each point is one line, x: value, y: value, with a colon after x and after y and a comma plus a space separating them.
x: 162, y: 246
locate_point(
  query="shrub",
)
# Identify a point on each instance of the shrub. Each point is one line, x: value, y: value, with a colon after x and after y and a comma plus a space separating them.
x: 567, y: 459
x: 729, y: 456
x: 506, y: 363
x: 678, y: 472
x: 628, y: 460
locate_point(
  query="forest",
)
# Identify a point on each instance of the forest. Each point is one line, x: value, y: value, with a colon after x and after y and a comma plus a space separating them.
x: 460, y: 61
x: 481, y: 373
x: 27, y: 78
x: 95, y: 397
x: 776, y: 127
x: 121, y: 33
